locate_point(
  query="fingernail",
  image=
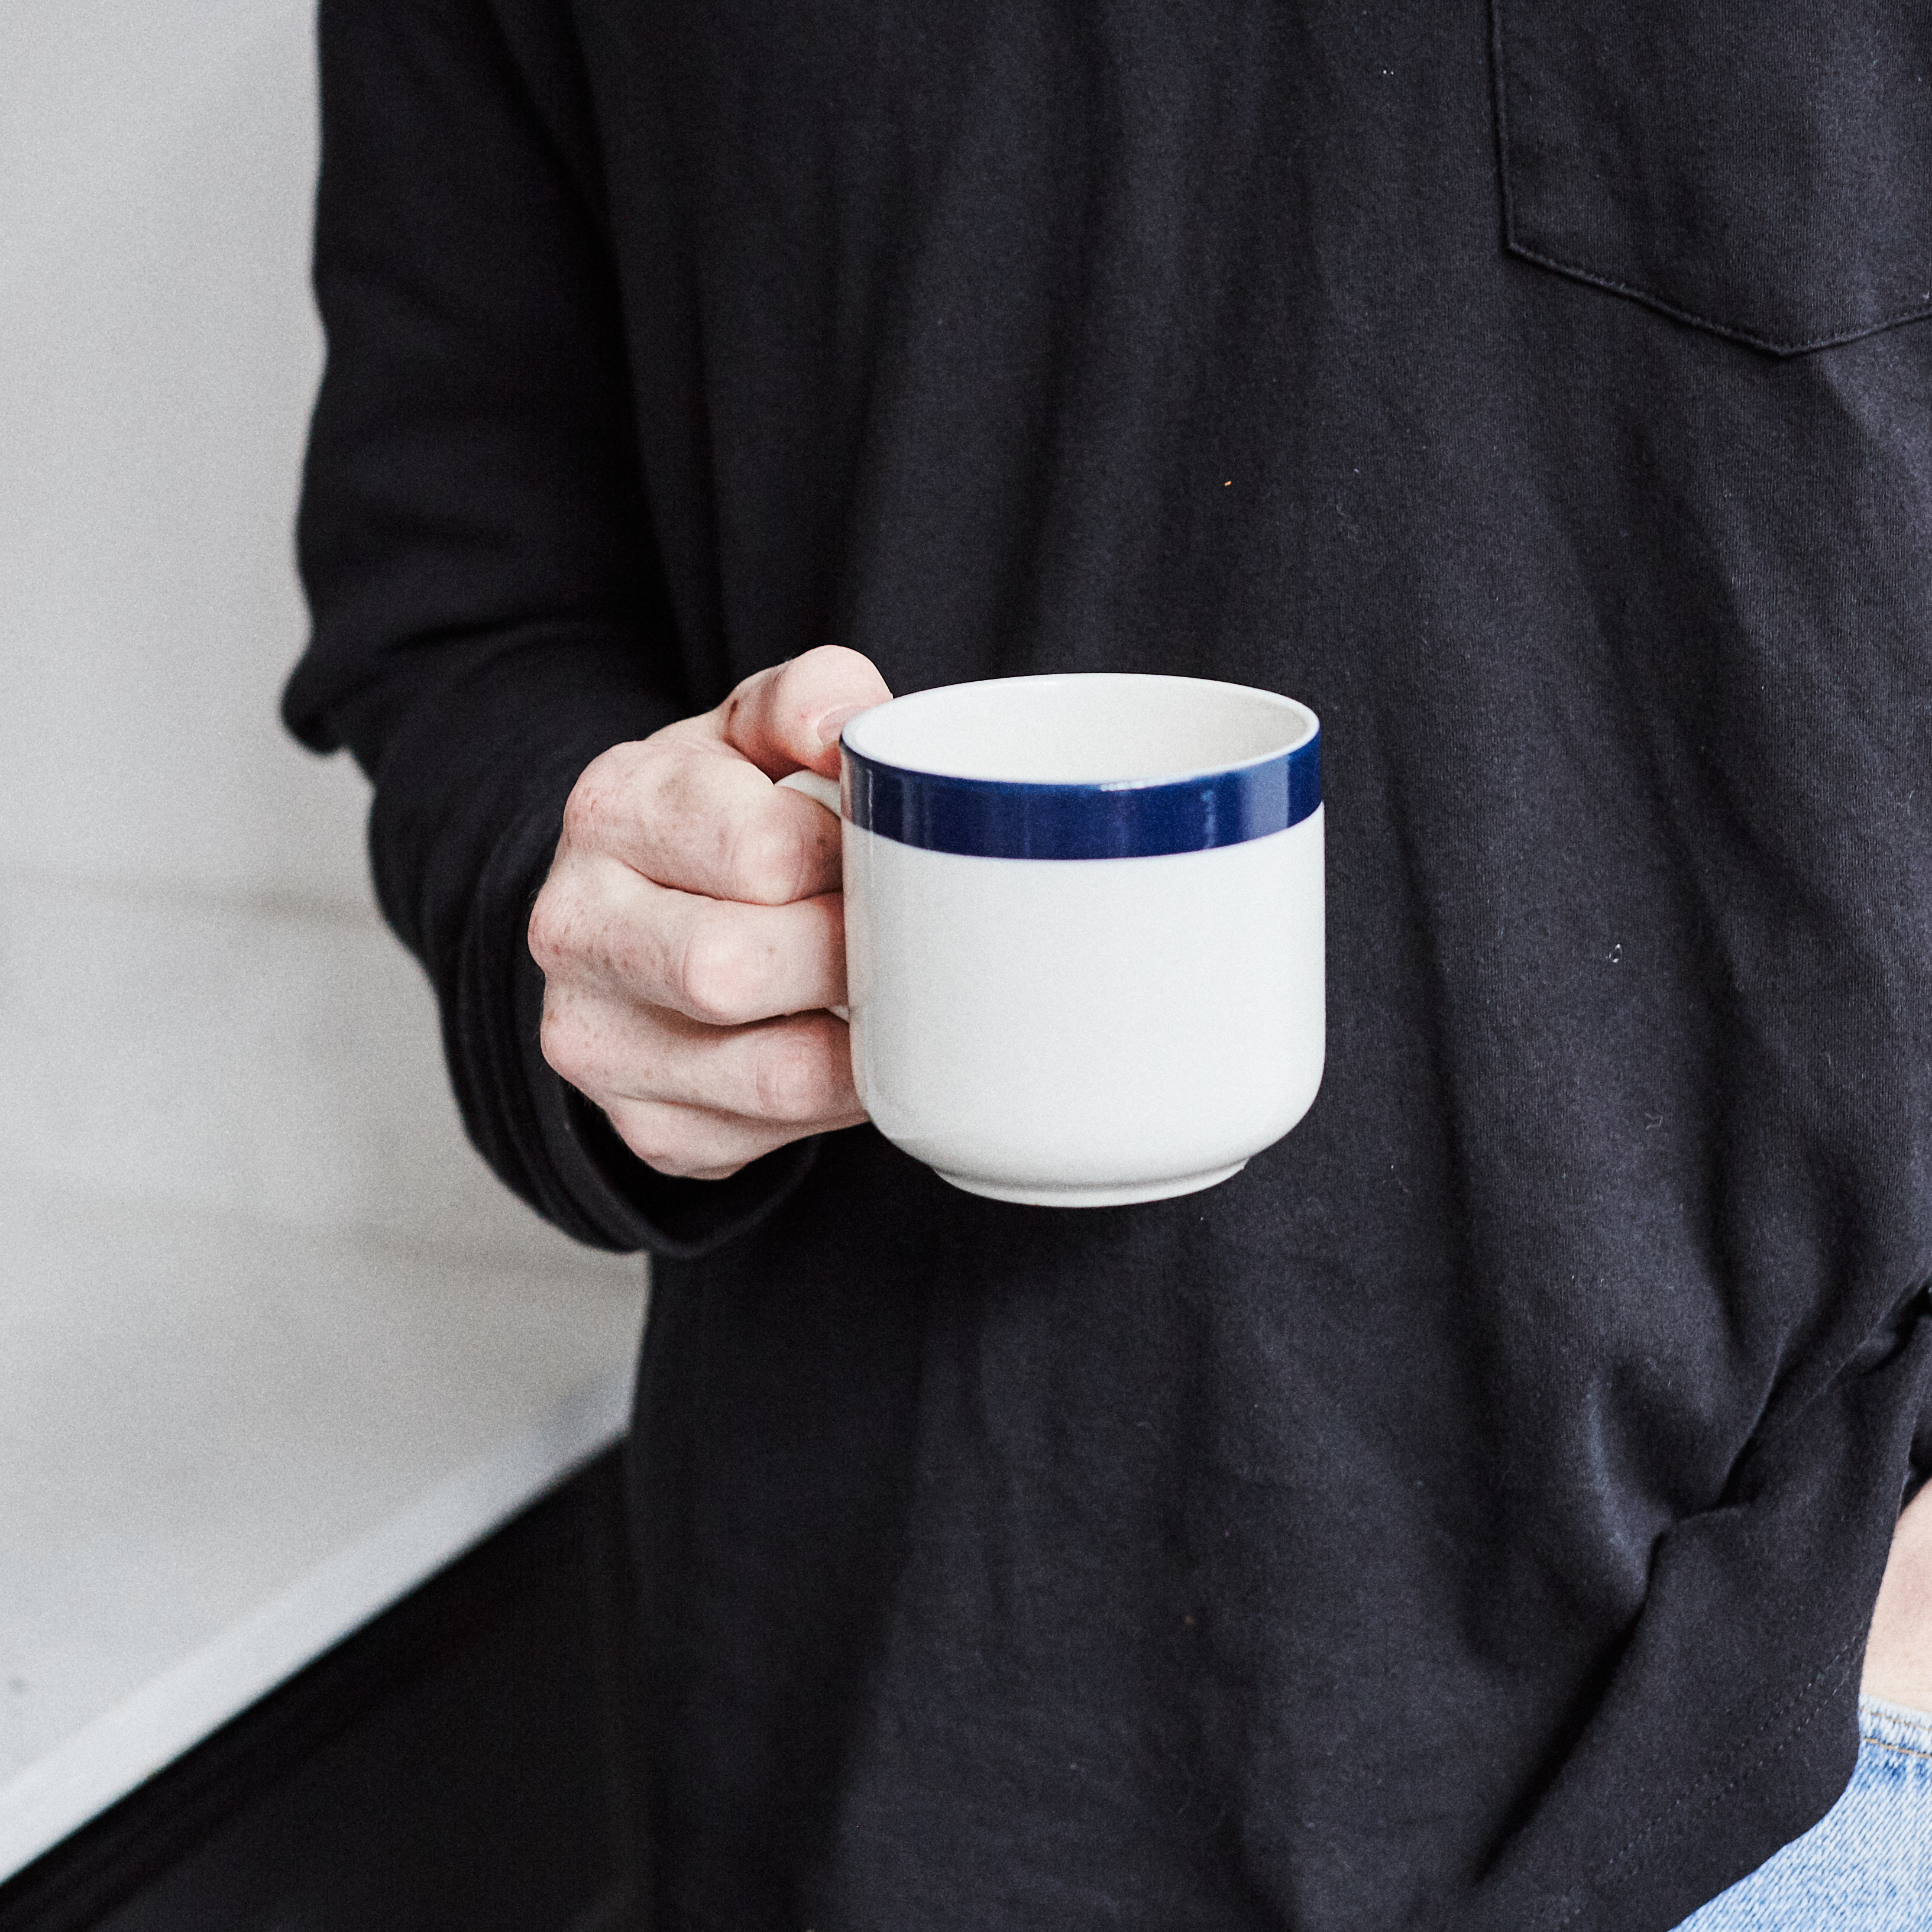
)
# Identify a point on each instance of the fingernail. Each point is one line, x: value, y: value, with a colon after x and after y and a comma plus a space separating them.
x: 829, y: 726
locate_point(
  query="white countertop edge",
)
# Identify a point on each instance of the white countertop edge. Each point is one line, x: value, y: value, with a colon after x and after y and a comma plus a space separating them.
x: 127, y: 1745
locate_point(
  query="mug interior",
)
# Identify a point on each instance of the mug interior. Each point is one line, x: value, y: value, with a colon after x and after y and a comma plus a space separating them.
x: 1094, y: 727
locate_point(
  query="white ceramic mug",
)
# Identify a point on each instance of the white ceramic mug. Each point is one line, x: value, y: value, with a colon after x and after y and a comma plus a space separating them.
x: 1083, y: 929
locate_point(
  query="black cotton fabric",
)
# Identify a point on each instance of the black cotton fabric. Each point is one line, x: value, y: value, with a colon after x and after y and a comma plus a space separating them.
x: 1469, y: 1516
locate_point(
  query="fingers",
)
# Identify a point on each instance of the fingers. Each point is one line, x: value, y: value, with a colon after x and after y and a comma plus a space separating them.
x: 694, y: 806
x: 686, y: 810
x: 787, y: 718
x: 699, y: 1101
x: 690, y: 1144
x: 691, y: 930
x: 793, y: 1073
x: 716, y: 961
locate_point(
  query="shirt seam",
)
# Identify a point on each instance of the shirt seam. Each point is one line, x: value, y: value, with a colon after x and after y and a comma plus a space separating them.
x: 1918, y: 312
x: 1512, y: 240
x: 1809, y: 1692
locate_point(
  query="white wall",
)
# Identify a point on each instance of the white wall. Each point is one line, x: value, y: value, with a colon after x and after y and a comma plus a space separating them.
x: 198, y: 1006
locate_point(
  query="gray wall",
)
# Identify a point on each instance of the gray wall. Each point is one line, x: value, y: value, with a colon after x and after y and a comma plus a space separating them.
x: 198, y: 1005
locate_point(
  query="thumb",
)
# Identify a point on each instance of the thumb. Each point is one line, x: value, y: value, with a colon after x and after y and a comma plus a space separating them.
x: 787, y: 718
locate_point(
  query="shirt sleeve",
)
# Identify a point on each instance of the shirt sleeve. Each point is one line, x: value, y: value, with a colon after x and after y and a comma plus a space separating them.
x: 488, y: 611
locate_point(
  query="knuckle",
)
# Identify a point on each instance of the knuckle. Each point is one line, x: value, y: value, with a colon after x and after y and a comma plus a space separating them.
x: 679, y: 794
x: 549, y: 931
x: 717, y: 975
x: 605, y: 794
x: 660, y: 1156
x: 788, y: 1078
x: 666, y: 1152
x: 766, y: 863
x: 585, y: 810
x: 566, y: 1045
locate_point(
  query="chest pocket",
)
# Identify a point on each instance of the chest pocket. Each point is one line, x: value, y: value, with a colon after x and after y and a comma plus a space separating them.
x: 1761, y: 171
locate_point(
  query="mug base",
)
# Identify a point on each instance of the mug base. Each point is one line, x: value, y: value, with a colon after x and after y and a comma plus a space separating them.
x: 1093, y: 1197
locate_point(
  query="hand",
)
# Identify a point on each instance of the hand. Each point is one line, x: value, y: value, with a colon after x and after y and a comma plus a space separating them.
x: 1898, y: 1656
x: 691, y: 932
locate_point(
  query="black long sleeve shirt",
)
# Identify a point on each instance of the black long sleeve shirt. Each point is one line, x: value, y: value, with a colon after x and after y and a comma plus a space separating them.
x: 1470, y: 1516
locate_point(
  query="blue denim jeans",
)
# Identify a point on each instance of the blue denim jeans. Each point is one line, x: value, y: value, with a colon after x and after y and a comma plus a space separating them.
x: 1866, y: 1866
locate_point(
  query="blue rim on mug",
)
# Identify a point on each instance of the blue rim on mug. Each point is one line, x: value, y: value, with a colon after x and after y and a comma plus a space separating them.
x: 1002, y: 818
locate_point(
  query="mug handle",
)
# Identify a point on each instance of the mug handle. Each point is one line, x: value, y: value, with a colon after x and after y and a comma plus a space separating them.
x: 826, y: 791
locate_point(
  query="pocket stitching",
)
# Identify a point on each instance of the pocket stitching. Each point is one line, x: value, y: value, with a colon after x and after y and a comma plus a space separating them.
x: 1918, y: 312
